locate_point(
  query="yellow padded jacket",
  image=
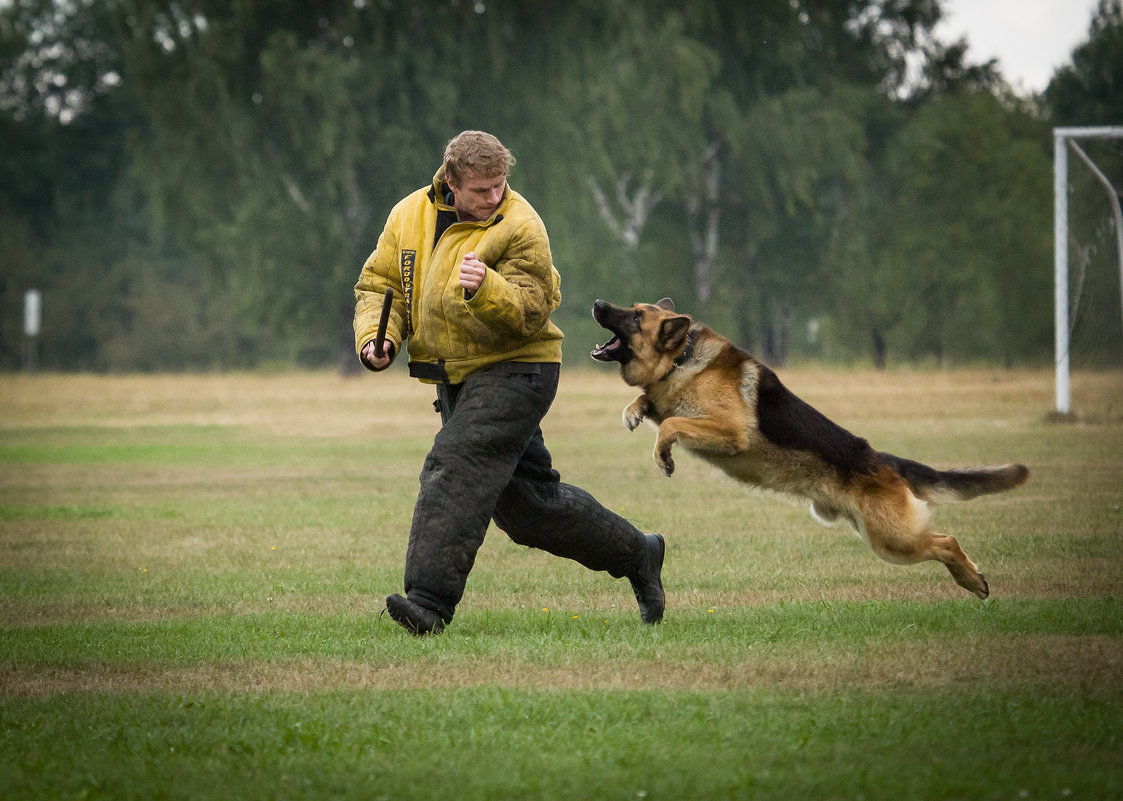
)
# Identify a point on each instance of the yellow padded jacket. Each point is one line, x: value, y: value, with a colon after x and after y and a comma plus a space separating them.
x: 449, y: 336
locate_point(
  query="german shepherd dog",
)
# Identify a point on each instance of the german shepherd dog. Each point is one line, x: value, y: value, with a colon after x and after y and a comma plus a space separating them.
x: 732, y: 411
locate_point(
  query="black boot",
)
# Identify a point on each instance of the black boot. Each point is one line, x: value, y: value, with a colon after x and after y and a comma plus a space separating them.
x: 647, y: 583
x: 416, y: 619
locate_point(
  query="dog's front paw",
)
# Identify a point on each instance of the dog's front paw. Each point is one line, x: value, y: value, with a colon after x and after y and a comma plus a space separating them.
x: 634, y: 414
x: 664, y: 460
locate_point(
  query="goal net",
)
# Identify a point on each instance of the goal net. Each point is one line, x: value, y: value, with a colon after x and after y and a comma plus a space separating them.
x: 1088, y: 255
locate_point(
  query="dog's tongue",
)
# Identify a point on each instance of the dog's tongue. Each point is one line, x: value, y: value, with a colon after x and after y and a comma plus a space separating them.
x: 603, y: 353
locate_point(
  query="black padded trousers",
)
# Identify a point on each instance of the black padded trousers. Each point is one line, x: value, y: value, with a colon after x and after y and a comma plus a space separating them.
x: 489, y: 461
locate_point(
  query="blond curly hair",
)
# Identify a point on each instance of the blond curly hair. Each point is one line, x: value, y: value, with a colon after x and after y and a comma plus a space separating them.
x: 477, y: 154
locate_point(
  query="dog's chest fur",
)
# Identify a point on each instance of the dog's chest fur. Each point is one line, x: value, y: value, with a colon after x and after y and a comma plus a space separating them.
x: 785, y: 445
x: 717, y: 381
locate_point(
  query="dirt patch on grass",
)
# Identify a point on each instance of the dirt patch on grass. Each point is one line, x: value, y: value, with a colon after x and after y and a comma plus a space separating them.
x: 1077, y: 662
x: 80, y: 611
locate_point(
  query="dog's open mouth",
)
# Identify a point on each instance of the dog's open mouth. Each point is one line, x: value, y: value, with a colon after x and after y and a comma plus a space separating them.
x: 615, y: 350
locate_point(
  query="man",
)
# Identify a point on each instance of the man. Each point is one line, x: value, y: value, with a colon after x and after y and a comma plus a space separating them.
x: 474, y: 284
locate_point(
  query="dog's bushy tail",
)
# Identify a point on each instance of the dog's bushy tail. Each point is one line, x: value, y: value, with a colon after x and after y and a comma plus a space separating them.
x: 951, y: 486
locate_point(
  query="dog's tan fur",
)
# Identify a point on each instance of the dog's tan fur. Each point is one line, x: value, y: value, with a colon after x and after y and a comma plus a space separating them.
x: 731, y: 410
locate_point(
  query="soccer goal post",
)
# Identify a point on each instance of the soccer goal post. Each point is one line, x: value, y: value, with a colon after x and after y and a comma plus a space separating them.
x: 1106, y: 229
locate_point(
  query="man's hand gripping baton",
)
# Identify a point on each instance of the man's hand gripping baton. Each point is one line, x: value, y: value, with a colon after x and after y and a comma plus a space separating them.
x: 380, y: 336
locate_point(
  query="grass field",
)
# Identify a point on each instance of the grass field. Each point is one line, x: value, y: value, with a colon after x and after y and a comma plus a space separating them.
x: 192, y: 567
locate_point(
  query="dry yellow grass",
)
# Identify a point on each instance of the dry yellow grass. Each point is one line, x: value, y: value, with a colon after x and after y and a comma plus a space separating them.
x: 329, y: 404
x: 1090, y: 661
x: 311, y: 403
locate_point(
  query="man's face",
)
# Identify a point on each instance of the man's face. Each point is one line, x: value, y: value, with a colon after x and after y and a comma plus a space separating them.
x: 477, y: 198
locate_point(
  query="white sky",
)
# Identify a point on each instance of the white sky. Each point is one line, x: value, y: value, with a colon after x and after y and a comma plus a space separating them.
x: 1030, y: 38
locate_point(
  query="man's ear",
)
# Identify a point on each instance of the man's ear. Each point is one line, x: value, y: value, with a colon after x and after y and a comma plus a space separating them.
x: 666, y: 303
x: 672, y: 333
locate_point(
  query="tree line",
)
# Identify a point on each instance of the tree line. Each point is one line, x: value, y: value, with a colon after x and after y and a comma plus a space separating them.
x: 194, y: 184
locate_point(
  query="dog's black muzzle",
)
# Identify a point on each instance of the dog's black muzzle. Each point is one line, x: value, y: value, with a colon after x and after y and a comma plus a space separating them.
x: 614, y: 319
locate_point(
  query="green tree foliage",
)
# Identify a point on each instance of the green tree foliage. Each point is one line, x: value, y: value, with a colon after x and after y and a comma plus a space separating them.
x: 263, y: 156
x: 1089, y: 91
x: 962, y: 267
x: 195, y: 183
x: 74, y: 225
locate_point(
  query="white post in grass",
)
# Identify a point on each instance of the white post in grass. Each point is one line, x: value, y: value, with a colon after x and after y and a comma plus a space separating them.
x: 1060, y: 265
x: 32, y: 303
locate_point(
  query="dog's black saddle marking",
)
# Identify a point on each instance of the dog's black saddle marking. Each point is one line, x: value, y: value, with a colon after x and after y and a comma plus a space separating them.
x: 790, y: 422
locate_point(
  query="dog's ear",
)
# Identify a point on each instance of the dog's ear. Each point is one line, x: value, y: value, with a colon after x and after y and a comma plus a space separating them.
x: 672, y: 332
x: 666, y: 303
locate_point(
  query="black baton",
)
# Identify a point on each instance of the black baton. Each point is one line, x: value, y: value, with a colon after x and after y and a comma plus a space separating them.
x: 380, y: 337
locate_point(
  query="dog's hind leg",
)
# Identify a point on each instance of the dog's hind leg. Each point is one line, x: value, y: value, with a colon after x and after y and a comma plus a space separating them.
x: 945, y: 548
x: 898, y: 527
x: 931, y: 545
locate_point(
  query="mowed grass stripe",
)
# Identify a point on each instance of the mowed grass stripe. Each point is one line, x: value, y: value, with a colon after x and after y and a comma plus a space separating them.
x: 787, y: 620
x: 799, y: 645
x: 499, y: 743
